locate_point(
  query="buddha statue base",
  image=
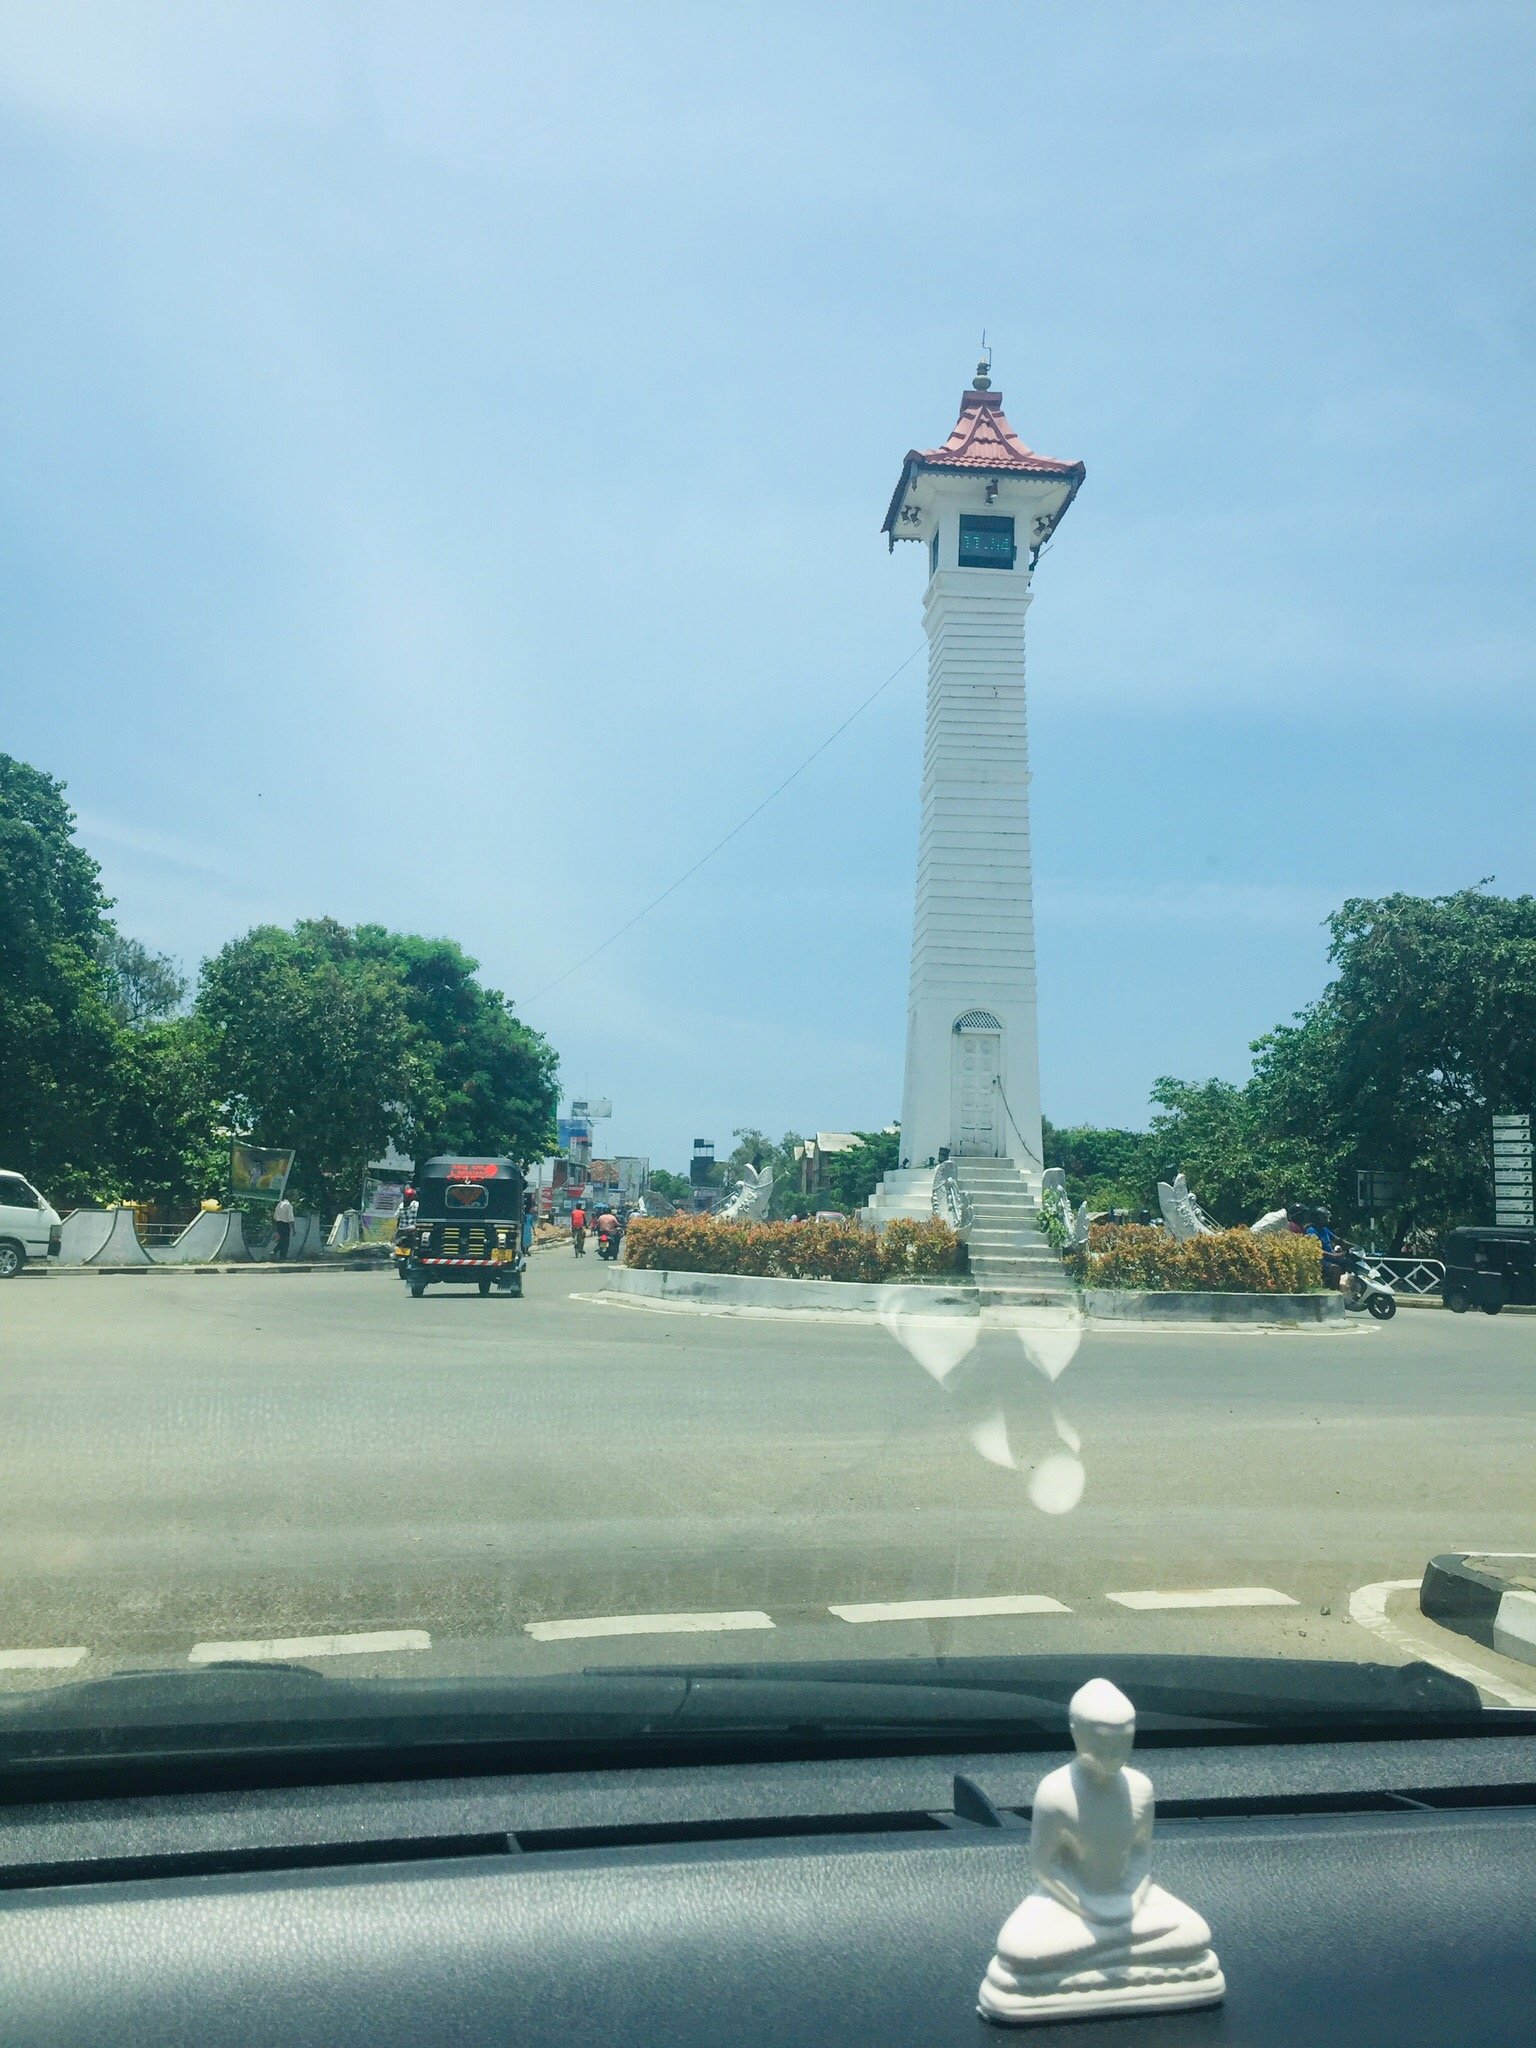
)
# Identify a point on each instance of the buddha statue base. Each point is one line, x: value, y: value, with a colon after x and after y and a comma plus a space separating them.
x: 1012, y: 2001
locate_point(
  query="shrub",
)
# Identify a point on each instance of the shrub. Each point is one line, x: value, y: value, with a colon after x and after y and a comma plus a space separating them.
x: 795, y: 1251
x: 1135, y: 1255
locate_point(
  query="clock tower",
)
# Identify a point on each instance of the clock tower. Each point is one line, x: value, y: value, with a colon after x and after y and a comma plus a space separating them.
x: 981, y: 507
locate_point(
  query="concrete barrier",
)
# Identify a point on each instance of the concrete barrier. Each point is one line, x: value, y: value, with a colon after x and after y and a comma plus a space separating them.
x: 1125, y: 1305
x: 213, y: 1237
x: 101, y: 1237
x: 953, y: 1297
x: 743, y: 1290
x: 308, y: 1238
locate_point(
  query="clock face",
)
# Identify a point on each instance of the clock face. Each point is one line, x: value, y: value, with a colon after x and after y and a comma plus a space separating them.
x: 986, y: 541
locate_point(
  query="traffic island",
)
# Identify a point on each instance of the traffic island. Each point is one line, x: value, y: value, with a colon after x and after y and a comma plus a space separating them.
x: 750, y: 1290
x: 1490, y: 1598
x: 1136, y: 1305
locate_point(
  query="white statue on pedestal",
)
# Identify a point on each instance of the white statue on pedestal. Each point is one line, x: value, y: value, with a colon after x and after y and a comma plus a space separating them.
x: 748, y: 1200
x: 1095, y: 1933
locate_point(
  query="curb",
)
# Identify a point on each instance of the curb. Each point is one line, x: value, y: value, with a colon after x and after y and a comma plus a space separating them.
x: 1490, y: 1598
x: 661, y: 1284
x: 1124, y: 1305
x: 39, y: 1271
x: 750, y: 1290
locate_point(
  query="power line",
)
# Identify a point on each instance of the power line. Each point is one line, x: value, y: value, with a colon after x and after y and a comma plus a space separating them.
x: 739, y: 827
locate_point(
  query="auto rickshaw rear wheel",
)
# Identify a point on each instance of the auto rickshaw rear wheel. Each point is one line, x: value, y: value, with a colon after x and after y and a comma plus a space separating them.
x: 1456, y: 1301
x: 484, y: 1285
x: 418, y: 1288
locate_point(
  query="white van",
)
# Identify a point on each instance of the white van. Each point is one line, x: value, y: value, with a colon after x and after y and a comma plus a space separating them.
x: 30, y: 1227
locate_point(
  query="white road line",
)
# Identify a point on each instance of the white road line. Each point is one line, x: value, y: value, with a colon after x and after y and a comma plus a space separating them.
x: 41, y: 1660
x: 1206, y: 1596
x: 942, y: 1610
x: 645, y: 1625
x: 1368, y: 1606
x: 371, y: 1644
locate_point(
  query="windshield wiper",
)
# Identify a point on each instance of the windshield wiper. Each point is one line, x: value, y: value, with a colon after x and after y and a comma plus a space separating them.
x: 276, y: 1723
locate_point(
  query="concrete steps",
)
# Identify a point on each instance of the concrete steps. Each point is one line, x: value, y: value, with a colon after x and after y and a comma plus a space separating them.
x: 1011, y: 1263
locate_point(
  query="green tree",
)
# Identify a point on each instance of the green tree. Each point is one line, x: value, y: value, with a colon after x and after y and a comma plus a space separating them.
x: 312, y: 1044
x: 672, y: 1187
x: 492, y: 1079
x: 339, y: 1042
x: 848, y: 1179
x: 1207, y: 1130
x: 168, y: 1144
x: 139, y: 986
x: 1105, y: 1167
x: 59, y: 1039
x: 1427, y: 1030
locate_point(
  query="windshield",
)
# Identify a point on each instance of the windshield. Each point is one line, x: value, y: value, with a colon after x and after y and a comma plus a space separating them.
x: 901, y: 1077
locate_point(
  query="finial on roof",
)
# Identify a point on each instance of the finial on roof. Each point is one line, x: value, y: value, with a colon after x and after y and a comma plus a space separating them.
x: 982, y: 381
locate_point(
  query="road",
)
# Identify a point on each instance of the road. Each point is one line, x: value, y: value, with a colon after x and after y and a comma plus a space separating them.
x: 197, y: 1460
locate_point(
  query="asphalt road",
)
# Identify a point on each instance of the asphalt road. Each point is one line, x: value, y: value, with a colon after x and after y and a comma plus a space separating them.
x: 197, y: 1460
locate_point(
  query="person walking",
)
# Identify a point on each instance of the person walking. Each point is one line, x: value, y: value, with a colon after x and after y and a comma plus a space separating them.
x: 579, y: 1230
x: 282, y: 1226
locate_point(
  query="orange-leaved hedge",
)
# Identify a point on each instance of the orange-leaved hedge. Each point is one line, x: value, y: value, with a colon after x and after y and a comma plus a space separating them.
x: 904, y: 1250
x: 1217, y: 1262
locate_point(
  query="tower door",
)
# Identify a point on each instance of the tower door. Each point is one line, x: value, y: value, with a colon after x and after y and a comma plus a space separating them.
x: 976, y: 1102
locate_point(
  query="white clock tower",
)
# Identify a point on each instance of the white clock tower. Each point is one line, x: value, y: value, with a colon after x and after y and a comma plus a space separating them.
x: 982, y: 507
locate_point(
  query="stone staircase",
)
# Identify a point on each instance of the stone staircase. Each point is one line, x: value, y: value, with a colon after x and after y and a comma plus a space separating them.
x: 1010, y: 1261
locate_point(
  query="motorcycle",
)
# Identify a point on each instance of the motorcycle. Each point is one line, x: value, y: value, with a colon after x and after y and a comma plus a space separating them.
x: 607, y: 1244
x: 1363, y: 1293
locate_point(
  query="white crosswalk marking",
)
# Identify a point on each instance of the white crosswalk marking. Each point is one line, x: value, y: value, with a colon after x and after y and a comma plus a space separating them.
x: 372, y: 1643
x: 1206, y: 1596
x: 943, y: 1610
x: 646, y: 1625
x: 41, y: 1660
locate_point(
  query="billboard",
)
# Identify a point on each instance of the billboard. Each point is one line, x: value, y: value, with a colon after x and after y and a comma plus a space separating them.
x: 259, y: 1172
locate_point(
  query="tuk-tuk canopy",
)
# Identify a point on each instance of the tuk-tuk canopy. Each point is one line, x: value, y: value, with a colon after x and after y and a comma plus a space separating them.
x: 450, y: 1185
x: 453, y: 1166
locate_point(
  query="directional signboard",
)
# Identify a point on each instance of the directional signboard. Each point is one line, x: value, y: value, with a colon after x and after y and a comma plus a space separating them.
x: 1512, y: 1180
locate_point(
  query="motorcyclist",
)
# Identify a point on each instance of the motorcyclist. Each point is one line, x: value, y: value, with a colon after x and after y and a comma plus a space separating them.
x: 607, y: 1229
x: 1335, y: 1250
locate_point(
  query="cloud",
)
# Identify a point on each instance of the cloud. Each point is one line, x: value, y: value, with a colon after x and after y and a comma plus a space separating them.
x: 160, y: 849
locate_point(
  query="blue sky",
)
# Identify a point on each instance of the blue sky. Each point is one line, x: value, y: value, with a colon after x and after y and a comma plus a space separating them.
x: 443, y: 449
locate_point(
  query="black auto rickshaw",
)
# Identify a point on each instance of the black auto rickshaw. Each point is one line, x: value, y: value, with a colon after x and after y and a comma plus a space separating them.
x: 464, y: 1225
x: 1489, y: 1265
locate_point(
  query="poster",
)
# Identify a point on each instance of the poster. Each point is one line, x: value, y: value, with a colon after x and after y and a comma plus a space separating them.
x: 259, y: 1172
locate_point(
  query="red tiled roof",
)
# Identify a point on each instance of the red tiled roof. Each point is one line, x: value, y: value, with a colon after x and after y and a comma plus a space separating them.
x: 982, y: 440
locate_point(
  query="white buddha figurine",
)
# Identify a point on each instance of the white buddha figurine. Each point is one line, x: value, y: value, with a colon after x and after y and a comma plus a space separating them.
x: 1095, y: 1933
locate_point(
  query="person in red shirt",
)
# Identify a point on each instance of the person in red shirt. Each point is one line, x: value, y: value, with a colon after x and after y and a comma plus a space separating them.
x: 579, y: 1230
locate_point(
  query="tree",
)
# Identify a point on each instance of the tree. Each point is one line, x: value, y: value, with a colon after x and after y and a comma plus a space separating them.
x: 57, y: 1032
x: 672, y: 1187
x: 168, y: 1144
x: 1105, y: 1167
x: 313, y: 1046
x: 1206, y: 1130
x: 1426, y: 1032
x: 139, y: 986
x: 493, y: 1086
x: 848, y: 1179
x: 339, y: 1042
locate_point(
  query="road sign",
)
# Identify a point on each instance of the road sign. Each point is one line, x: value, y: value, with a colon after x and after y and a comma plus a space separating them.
x: 1376, y: 1191
x: 1514, y: 1195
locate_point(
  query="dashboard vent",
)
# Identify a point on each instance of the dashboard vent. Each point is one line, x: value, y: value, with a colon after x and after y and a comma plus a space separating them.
x: 649, y: 1834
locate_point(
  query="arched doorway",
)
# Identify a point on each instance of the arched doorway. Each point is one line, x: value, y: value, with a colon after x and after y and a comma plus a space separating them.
x: 976, y: 1102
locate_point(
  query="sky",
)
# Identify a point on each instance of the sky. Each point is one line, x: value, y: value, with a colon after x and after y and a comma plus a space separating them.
x: 443, y: 450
